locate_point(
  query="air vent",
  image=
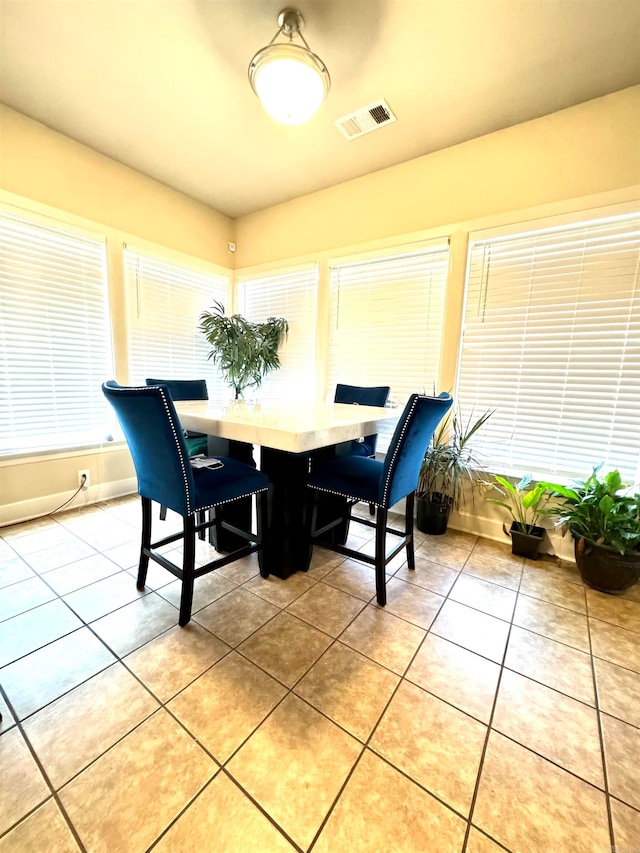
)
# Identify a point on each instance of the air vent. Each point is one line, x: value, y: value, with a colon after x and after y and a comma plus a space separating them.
x: 365, y: 119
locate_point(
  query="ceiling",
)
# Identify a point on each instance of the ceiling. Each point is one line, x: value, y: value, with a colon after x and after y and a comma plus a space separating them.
x: 161, y: 85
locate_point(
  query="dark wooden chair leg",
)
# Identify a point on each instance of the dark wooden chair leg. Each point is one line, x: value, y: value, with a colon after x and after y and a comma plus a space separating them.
x: 202, y: 517
x: 408, y: 527
x: 262, y: 521
x: 145, y: 542
x: 188, y: 568
x: 163, y: 512
x: 372, y: 509
x: 381, y: 537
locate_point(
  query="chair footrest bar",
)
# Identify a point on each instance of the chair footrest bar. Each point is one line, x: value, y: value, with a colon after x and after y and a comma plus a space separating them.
x: 223, y: 561
x: 163, y: 561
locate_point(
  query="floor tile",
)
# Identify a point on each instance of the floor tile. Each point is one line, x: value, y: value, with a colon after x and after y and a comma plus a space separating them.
x: 23, y: 596
x: 622, y: 756
x: 235, y: 616
x: 241, y: 570
x: 326, y: 608
x: 353, y: 577
x: 6, y: 717
x: 483, y: 595
x: 25, y: 528
x: 224, y: 706
x: 412, y: 603
x: 611, y: 608
x: 495, y: 568
x: 429, y: 575
x: 322, y: 562
x: 478, y: 632
x: 206, y: 589
x: 559, y: 592
x: 441, y: 552
x: 555, y: 726
x: 617, y: 645
x: 173, y: 660
x: 77, y: 728
x: 313, y: 757
x: 157, y: 576
x: 349, y: 688
x: 436, y: 745
x: 528, y: 804
x: 626, y: 826
x: 286, y: 647
x: 40, y: 540
x: 555, y: 568
x: 81, y: 573
x: 224, y: 820
x: 126, y: 556
x: 44, y: 829
x: 47, y: 673
x: 554, y: 664
x: 59, y: 555
x: 128, y: 796
x: 618, y: 691
x: 13, y: 569
x: 374, y: 808
x: 456, y: 675
x: 22, y: 634
x: 280, y: 592
x: 384, y: 638
x: 557, y: 623
x: 104, y: 596
x: 478, y: 842
x: 22, y: 786
x: 135, y: 624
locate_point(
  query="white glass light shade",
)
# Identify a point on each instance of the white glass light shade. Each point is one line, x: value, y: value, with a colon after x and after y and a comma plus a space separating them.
x: 290, y: 81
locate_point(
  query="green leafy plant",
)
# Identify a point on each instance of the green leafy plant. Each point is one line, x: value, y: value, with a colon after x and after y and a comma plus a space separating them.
x: 450, y: 462
x: 244, y: 351
x: 525, y: 507
x: 595, y: 509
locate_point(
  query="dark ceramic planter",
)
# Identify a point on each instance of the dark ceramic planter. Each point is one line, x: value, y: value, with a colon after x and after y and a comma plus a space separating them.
x: 604, y: 568
x: 432, y: 516
x: 526, y: 544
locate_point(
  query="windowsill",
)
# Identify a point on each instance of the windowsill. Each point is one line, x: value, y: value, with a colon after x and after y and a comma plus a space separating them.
x: 30, y: 456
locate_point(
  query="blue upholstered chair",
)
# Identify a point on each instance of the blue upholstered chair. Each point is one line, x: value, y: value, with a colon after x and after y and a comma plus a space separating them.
x: 363, y: 396
x: 186, y: 389
x: 382, y: 483
x: 149, y: 421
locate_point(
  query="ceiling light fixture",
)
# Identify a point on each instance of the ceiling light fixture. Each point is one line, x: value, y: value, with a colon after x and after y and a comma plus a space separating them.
x: 289, y: 79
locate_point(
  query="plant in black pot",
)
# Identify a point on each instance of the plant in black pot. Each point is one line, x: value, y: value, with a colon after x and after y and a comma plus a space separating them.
x: 450, y: 466
x: 244, y: 351
x: 604, y: 520
x: 526, y: 509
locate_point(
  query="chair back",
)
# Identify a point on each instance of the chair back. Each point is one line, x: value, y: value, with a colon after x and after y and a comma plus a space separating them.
x: 410, y: 440
x: 183, y: 389
x: 365, y: 396
x: 150, y: 424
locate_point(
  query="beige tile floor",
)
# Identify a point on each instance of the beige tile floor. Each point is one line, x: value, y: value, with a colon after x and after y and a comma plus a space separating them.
x: 494, y: 704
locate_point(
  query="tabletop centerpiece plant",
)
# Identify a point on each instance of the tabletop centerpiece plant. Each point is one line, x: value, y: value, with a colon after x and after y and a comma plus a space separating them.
x: 526, y: 506
x: 245, y: 352
x: 450, y: 466
x: 603, y: 518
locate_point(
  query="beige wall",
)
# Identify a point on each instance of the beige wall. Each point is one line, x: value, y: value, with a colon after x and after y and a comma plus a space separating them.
x: 585, y: 150
x: 42, y: 166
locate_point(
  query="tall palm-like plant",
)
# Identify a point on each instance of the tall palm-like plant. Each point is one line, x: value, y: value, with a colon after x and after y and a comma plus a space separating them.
x: 244, y: 351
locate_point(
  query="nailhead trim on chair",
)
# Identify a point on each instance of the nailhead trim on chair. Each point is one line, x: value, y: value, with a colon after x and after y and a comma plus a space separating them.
x: 385, y: 495
x: 231, y: 500
x: 343, y: 495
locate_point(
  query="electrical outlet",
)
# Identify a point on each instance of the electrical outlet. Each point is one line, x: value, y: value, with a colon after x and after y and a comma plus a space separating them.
x: 84, y: 473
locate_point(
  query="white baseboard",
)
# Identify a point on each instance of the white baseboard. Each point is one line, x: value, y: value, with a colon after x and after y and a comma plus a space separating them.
x: 35, y: 507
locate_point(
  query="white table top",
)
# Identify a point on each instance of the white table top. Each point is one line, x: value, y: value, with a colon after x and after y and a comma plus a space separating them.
x: 295, y: 427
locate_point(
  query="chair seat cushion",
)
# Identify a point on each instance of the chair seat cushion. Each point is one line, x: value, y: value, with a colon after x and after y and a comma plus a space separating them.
x: 352, y: 476
x: 219, y: 485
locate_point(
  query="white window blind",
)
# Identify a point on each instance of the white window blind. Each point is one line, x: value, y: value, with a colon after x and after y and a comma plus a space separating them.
x: 164, y: 306
x: 292, y: 296
x: 54, y: 338
x: 552, y: 342
x: 386, y: 324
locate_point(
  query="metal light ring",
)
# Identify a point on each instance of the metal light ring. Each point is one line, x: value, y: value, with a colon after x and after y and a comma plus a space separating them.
x: 289, y: 51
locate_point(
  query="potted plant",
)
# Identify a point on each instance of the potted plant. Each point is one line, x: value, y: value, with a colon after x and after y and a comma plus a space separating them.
x: 604, y: 520
x: 449, y: 465
x: 526, y: 508
x: 244, y: 351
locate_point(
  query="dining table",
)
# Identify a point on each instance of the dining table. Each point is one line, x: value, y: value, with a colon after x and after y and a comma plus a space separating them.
x: 291, y: 437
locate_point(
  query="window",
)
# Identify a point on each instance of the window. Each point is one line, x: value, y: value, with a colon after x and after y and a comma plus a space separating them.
x: 164, y: 306
x: 386, y: 323
x: 552, y: 341
x: 292, y: 296
x: 54, y: 338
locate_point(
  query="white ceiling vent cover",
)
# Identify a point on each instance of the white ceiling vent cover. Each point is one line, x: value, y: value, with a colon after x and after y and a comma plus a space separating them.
x: 365, y: 119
